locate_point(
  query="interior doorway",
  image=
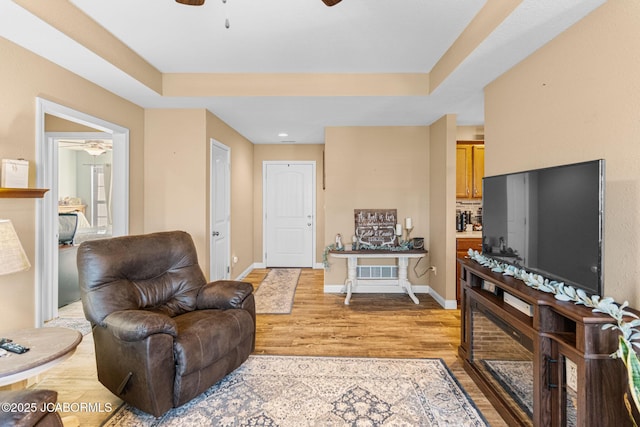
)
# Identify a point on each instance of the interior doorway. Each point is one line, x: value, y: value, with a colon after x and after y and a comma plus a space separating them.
x: 46, y: 291
x: 83, y: 191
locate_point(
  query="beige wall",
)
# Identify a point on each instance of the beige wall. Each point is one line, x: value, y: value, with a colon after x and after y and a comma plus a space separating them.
x: 442, y: 206
x: 23, y: 77
x: 576, y: 99
x: 177, y: 190
x: 272, y: 152
x: 470, y: 133
x: 176, y: 179
x: 58, y: 124
x: 375, y: 168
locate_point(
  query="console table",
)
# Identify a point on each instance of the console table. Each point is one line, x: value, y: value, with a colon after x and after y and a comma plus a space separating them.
x: 403, y: 262
x: 47, y: 347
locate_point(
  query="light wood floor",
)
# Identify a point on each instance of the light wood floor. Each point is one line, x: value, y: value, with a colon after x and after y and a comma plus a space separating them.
x: 320, y: 324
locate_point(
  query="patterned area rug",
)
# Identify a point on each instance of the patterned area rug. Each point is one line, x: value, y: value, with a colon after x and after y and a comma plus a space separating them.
x: 516, y: 376
x: 323, y: 391
x: 275, y: 293
x: 81, y: 325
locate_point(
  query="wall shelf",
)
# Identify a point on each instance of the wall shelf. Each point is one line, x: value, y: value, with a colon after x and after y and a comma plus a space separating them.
x: 22, y: 193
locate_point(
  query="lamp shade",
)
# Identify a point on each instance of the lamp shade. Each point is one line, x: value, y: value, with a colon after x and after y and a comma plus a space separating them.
x: 12, y: 256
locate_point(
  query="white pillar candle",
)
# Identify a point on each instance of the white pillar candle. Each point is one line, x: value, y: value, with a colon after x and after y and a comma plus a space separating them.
x: 398, y: 229
x: 407, y: 223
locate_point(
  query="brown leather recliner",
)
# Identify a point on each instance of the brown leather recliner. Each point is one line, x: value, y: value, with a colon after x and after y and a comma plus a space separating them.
x: 162, y: 334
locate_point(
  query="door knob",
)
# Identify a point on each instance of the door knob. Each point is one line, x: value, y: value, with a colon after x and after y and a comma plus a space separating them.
x: 215, y: 233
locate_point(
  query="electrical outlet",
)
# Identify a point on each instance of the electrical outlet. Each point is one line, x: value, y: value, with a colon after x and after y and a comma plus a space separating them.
x: 433, y: 268
x: 571, y: 374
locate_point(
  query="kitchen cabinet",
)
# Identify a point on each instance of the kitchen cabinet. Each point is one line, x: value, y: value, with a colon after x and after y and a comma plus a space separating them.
x: 469, y: 169
x: 478, y: 171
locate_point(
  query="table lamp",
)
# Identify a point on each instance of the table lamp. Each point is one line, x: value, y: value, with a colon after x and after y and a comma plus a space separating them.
x: 12, y: 256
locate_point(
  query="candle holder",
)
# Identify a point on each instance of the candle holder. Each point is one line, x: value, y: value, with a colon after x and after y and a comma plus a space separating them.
x: 409, y: 230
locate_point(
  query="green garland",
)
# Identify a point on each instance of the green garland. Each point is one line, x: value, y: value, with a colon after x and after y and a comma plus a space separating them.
x: 564, y: 292
x: 325, y: 255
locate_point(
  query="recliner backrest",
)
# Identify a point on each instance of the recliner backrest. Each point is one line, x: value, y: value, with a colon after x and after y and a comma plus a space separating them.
x: 157, y: 271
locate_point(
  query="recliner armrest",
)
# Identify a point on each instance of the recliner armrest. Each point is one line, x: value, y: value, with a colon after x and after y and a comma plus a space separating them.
x: 136, y: 325
x: 223, y: 294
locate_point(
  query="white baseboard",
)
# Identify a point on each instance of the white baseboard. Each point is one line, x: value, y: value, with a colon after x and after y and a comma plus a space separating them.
x: 446, y: 304
x: 393, y: 289
x: 246, y: 272
x: 316, y: 266
x: 376, y: 289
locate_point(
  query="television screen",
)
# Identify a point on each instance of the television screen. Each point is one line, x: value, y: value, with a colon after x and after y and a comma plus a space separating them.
x: 548, y: 221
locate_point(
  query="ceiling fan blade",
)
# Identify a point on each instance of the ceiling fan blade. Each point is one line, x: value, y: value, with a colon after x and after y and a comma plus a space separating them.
x: 191, y: 2
x: 328, y: 2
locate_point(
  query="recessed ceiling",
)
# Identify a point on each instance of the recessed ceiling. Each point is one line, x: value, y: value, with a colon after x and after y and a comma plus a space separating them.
x: 368, y: 37
x: 287, y: 36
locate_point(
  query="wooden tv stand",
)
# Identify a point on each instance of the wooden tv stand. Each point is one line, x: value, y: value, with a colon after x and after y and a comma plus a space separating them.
x: 567, y: 345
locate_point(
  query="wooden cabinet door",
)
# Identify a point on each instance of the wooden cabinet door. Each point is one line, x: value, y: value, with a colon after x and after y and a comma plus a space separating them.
x: 478, y: 170
x: 464, y: 168
x: 469, y: 170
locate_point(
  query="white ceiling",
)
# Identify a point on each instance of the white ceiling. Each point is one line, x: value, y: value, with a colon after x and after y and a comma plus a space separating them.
x: 278, y: 36
x: 302, y: 36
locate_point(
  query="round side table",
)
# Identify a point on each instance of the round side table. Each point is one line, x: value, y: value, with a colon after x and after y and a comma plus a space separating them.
x: 47, y: 347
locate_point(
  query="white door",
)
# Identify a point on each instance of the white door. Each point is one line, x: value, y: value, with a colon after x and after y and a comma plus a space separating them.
x: 289, y: 214
x: 220, y: 211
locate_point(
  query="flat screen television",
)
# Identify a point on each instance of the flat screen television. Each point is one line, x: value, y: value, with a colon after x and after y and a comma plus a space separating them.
x: 548, y: 221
